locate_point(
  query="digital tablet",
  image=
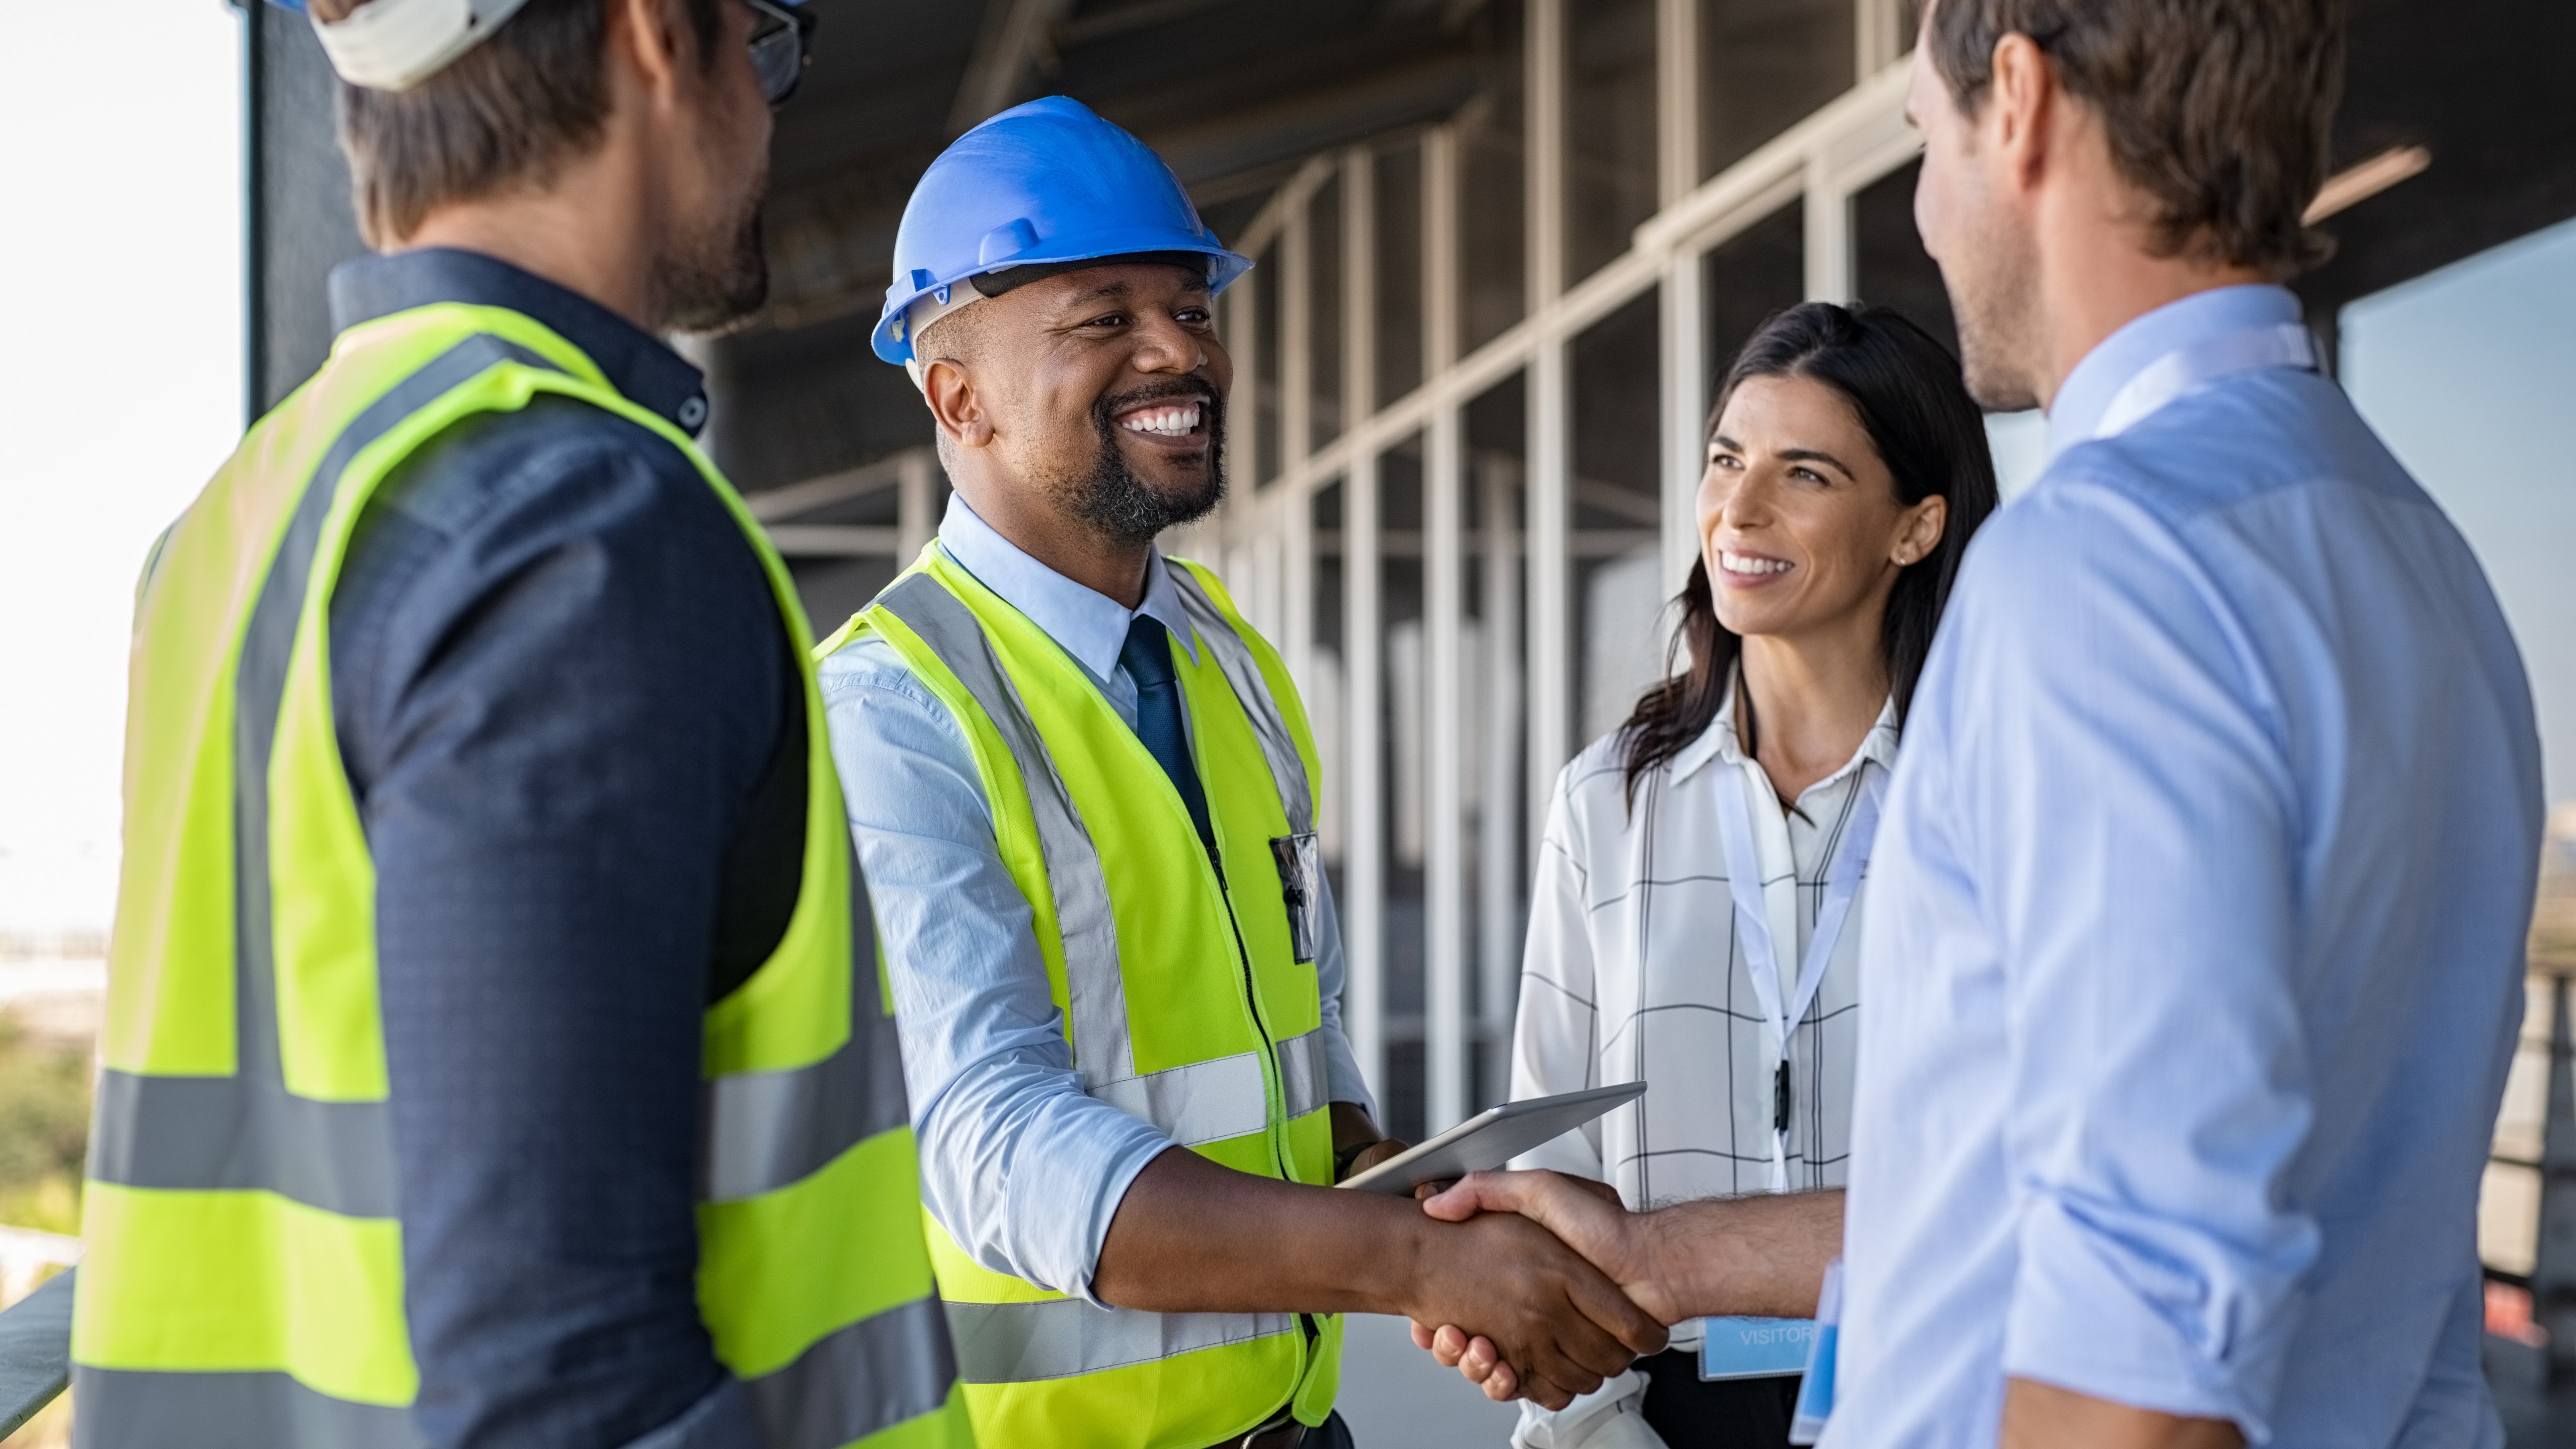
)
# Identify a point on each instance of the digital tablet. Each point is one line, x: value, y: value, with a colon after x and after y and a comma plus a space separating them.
x: 1491, y: 1138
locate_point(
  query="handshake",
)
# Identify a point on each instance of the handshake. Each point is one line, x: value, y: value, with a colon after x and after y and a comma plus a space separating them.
x: 1556, y: 1286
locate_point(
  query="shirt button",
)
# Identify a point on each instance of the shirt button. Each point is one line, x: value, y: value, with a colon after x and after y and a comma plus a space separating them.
x: 693, y: 412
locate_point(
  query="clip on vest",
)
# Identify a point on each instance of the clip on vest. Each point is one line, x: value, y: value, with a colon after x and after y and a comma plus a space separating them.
x: 1301, y: 867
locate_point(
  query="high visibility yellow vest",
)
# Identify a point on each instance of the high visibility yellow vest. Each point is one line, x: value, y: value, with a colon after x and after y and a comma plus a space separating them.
x: 1187, y: 985
x: 244, y: 1277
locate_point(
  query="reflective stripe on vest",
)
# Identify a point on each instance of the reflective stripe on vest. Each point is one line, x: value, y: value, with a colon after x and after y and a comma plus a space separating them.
x: 1018, y: 1343
x: 293, y: 1195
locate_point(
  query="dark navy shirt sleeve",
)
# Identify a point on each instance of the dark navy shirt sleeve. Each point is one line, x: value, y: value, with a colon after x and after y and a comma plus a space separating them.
x: 561, y: 685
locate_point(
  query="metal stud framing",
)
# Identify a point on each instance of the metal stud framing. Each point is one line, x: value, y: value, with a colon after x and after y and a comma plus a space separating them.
x: 1527, y: 698
x: 1444, y: 587
x: 1363, y: 912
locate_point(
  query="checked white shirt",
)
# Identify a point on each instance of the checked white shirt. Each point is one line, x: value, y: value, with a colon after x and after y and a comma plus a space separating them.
x: 1633, y: 972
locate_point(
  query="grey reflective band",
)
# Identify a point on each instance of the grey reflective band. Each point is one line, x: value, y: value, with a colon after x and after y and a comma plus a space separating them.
x: 1102, y: 1050
x: 240, y: 1410
x: 865, y: 1378
x: 1269, y: 724
x: 246, y: 1131
x: 1303, y: 1078
x: 245, y: 1134
x: 1019, y: 1343
x: 1199, y: 1103
x: 767, y: 1130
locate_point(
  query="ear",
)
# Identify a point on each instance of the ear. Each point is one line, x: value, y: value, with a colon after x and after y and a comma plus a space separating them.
x: 955, y: 405
x: 1919, y: 531
x: 653, y: 41
x: 2020, y: 103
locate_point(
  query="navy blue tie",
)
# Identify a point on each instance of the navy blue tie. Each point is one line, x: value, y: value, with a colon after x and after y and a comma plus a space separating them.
x: 1147, y: 658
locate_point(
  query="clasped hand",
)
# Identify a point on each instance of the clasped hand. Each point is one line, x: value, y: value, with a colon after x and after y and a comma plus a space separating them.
x: 1584, y: 1216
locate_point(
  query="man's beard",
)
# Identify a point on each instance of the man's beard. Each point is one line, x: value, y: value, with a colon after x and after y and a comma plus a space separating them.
x: 719, y: 277
x: 1995, y: 299
x: 1127, y: 508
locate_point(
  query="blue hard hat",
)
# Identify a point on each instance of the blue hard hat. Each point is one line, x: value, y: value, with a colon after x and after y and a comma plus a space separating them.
x: 1044, y: 183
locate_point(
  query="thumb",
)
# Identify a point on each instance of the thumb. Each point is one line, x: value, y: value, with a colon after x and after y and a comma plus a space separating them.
x: 1476, y: 1192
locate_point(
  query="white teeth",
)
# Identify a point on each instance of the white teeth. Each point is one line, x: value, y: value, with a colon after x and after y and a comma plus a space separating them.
x: 1169, y: 422
x: 1737, y: 563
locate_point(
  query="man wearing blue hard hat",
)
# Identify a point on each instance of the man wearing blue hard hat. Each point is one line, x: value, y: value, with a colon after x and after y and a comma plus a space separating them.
x: 1085, y: 793
x: 496, y: 1051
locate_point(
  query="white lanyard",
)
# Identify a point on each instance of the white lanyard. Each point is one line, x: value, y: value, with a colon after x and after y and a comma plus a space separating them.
x: 2278, y: 344
x: 1753, y: 929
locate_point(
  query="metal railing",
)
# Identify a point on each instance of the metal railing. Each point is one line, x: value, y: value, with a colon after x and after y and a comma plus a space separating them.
x: 35, y: 1351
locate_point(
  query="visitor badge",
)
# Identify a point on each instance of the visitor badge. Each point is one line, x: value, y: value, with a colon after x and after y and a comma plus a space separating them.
x: 1754, y: 1348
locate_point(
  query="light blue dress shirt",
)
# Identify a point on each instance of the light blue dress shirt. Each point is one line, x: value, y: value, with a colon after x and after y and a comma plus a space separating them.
x: 1021, y: 1167
x: 2194, y: 949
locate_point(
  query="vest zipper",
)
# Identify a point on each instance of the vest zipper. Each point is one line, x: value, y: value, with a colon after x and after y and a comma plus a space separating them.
x: 1278, y: 1145
x: 1252, y: 1003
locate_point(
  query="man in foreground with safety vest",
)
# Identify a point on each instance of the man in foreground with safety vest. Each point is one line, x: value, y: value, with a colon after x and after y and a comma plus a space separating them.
x: 496, y: 1052
x: 1085, y: 791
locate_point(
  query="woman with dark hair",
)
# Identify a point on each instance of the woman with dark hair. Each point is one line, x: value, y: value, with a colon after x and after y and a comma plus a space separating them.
x: 1688, y: 926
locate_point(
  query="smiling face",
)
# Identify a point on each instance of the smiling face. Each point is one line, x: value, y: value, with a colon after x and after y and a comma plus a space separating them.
x: 1799, y: 519
x: 1104, y: 389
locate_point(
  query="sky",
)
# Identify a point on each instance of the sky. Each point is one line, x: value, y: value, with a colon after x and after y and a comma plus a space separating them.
x: 123, y: 356
x: 121, y: 264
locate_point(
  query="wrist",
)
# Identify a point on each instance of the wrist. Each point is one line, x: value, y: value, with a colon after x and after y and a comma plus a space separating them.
x: 1407, y: 1261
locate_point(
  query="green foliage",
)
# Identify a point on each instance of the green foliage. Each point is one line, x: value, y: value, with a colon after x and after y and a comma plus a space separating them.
x: 44, y: 1130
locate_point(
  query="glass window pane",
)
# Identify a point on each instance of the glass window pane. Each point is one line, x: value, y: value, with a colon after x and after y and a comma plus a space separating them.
x: 1618, y: 581
x: 1266, y: 280
x: 1892, y: 268
x: 1492, y: 231
x: 1750, y: 276
x: 1405, y: 706
x: 1764, y: 65
x: 1609, y: 129
x: 1324, y: 314
x: 1398, y: 183
x: 1494, y: 769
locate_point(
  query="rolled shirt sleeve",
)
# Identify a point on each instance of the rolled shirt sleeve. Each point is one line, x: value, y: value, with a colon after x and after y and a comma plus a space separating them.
x: 2137, y: 844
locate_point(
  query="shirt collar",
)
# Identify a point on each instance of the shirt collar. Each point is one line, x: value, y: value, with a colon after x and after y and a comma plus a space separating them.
x: 1719, y: 742
x: 2144, y: 340
x: 1090, y: 625
x: 638, y: 364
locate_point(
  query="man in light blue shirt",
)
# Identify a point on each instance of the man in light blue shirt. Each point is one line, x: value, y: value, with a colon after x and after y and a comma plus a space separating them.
x: 2196, y: 929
